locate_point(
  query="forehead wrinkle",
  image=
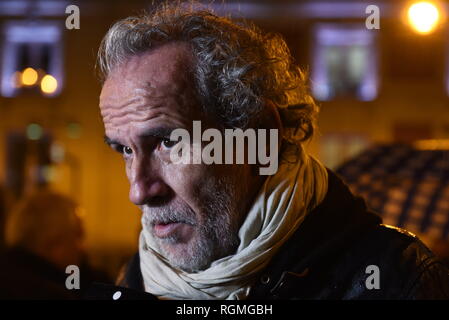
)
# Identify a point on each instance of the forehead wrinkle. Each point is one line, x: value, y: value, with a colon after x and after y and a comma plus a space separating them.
x: 142, y: 117
x: 176, y: 93
x: 149, y: 107
x: 116, y: 110
x: 136, y: 122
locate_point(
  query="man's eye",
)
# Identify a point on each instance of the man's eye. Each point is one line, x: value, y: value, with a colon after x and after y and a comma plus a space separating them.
x: 127, y: 150
x: 167, y: 143
x: 124, y: 150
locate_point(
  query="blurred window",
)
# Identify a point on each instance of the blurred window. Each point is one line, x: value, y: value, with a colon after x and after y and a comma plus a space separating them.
x: 344, y: 62
x: 31, y: 58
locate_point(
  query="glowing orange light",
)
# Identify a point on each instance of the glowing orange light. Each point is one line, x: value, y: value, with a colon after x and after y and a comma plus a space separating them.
x: 49, y: 84
x: 423, y: 17
x: 29, y: 77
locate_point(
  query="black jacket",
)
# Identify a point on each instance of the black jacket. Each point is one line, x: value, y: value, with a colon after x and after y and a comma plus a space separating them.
x: 26, y: 276
x: 336, y: 253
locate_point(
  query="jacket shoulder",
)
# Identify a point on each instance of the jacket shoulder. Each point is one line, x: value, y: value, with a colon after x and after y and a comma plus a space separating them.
x: 398, y: 244
x: 407, y: 268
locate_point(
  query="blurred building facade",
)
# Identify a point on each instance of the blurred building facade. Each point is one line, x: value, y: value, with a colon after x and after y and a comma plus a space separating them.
x: 373, y: 85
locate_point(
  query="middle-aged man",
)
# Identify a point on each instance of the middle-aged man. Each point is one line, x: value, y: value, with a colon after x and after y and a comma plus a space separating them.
x: 226, y: 231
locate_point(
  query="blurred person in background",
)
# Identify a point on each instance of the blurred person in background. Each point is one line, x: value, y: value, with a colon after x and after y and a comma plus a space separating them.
x: 44, y: 235
x: 212, y: 231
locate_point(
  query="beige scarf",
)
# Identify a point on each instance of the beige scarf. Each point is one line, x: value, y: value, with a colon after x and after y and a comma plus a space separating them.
x: 278, y: 210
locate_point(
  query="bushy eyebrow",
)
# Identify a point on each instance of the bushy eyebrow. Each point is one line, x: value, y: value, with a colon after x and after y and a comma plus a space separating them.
x: 159, y: 132
x: 110, y: 141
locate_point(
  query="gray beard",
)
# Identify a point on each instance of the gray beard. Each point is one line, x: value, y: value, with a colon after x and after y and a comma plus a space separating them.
x: 217, y: 234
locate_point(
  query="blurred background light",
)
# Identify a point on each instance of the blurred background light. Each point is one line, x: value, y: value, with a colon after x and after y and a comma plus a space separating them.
x: 29, y: 77
x: 34, y: 131
x: 73, y: 130
x: 423, y: 17
x: 57, y: 153
x: 49, y: 84
x: 432, y: 144
x: 49, y: 173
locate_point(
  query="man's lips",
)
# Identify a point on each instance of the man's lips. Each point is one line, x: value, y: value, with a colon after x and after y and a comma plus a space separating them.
x: 164, y: 230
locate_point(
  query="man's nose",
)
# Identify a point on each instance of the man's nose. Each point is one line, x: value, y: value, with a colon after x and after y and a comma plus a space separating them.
x: 146, y: 185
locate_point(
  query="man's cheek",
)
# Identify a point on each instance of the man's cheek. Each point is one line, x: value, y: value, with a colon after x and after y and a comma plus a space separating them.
x: 185, y: 174
x: 187, y: 182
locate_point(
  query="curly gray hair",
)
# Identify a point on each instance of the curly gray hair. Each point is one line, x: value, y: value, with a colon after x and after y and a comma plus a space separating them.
x: 238, y: 68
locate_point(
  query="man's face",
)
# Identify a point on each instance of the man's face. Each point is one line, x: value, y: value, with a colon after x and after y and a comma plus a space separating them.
x: 192, y: 211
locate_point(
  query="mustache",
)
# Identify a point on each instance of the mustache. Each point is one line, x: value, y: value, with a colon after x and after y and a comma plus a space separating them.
x: 170, y: 214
